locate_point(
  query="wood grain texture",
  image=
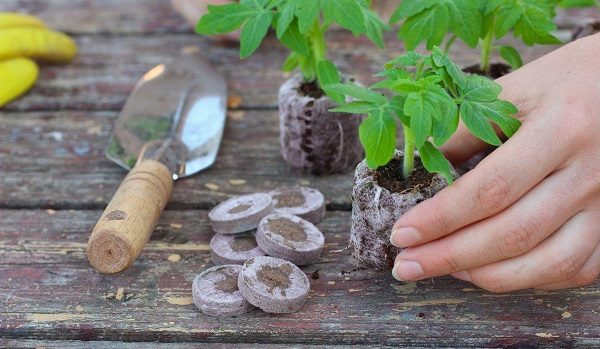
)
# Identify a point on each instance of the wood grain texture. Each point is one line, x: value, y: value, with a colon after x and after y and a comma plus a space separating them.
x: 46, y: 344
x: 48, y: 290
x: 54, y: 182
x: 56, y: 160
x: 130, y: 217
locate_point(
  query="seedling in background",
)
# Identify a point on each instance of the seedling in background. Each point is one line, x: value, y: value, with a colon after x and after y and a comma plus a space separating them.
x: 428, y: 93
x: 478, y: 23
x: 578, y: 3
x: 300, y: 25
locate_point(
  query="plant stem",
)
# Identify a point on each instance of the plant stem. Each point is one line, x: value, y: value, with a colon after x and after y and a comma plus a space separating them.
x: 486, y: 46
x: 449, y: 43
x: 409, y: 152
x: 318, y: 45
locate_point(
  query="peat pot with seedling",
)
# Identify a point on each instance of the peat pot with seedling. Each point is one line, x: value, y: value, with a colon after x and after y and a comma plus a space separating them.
x: 427, y: 94
x: 313, y: 139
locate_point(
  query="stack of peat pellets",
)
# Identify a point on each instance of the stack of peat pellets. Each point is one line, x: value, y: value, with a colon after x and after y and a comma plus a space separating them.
x: 260, y: 240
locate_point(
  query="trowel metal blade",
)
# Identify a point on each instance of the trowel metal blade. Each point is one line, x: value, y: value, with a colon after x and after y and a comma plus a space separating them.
x: 175, y: 114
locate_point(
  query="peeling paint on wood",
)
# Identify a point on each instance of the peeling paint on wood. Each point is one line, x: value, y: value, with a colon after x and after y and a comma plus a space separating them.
x: 55, y: 182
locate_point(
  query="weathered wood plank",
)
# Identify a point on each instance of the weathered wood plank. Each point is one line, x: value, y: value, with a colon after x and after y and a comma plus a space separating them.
x: 48, y: 290
x: 37, y: 344
x: 152, y: 16
x: 107, y: 68
x: 103, y: 17
x: 55, y: 159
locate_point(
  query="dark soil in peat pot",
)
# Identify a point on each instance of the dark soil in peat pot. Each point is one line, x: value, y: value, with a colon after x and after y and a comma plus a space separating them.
x: 313, y: 139
x: 497, y: 70
x: 380, y: 197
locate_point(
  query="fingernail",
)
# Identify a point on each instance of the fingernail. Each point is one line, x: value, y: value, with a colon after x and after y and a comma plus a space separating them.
x: 405, y: 237
x: 462, y: 275
x: 406, y: 270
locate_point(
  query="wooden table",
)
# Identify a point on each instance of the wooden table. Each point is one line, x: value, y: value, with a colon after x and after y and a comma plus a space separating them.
x: 55, y: 181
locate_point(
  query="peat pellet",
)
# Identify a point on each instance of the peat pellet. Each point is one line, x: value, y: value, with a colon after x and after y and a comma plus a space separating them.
x: 291, y: 238
x: 233, y: 248
x: 240, y: 214
x: 215, y: 292
x: 273, y: 285
x: 304, y: 202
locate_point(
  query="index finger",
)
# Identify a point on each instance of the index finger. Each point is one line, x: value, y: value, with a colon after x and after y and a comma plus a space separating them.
x: 497, y: 182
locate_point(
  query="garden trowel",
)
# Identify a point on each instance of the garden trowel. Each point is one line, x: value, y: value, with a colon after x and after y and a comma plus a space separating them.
x: 170, y: 128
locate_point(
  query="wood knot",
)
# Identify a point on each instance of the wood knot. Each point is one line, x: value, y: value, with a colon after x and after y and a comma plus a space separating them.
x: 116, y: 215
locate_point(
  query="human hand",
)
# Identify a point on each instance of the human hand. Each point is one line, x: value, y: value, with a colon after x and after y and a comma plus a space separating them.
x: 528, y: 216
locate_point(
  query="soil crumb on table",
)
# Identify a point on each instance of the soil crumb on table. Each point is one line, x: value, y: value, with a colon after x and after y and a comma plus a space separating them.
x: 287, y: 229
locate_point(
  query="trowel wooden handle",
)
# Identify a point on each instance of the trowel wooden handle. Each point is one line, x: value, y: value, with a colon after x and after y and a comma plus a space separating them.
x: 130, y: 217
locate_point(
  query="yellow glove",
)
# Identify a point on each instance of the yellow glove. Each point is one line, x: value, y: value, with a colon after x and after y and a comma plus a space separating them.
x: 11, y: 20
x: 17, y: 76
x: 22, y: 37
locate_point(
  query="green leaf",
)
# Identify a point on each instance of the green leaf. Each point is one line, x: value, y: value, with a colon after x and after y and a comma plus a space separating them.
x: 535, y: 27
x: 328, y: 74
x: 386, y: 84
x: 578, y: 3
x: 291, y: 62
x: 224, y: 19
x: 355, y: 108
x: 481, y: 89
x: 347, y: 13
x: 396, y: 105
x: 465, y: 20
x: 442, y: 60
x: 254, y: 32
x: 295, y: 41
x: 501, y: 113
x: 421, y: 107
x: 357, y: 92
x: 507, y: 17
x: 287, y: 14
x: 406, y: 86
x: 430, y: 25
x: 307, y: 13
x: 445, y: 125
x: 409, y: 8
x: 434, y: 161
x: 378, y: 136
x: 511, y: 56
x: 478, y: 123
x: 375, y: 28
x: 409, y: 59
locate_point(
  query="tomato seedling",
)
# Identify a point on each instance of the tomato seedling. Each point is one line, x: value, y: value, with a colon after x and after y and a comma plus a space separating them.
x: 429, y: 94
x: 478, y: 23
x: 300, y: 25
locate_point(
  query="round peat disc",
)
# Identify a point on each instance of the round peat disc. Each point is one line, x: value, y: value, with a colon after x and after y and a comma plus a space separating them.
x: 215, y: 292
x: 304, y: 202
x: 273, y: 285
x: 291, y: 238
x: 240, y: 214
x: 233, y: 249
